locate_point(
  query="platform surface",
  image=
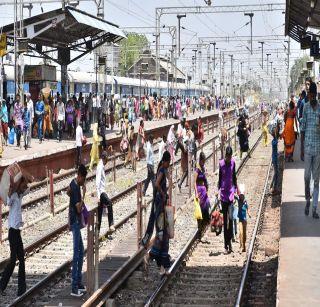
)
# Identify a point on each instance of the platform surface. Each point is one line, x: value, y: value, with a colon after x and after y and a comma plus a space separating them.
x: 299, y: 259
x: 13, y: 153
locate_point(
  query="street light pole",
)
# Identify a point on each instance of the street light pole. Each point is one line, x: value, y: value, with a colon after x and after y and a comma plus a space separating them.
x: 179, y: 31
x: 250, y: 15
x: 262, y: 43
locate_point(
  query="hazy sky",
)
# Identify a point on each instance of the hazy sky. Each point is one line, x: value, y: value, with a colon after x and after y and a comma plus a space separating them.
x: 141, y: 13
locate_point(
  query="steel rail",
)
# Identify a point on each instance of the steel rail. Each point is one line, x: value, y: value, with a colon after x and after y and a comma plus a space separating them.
x: 251, y: 247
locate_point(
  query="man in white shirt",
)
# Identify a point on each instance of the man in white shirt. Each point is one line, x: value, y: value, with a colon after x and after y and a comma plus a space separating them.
x: 31, y: 110
x: 79, y: 140
x: 104, y: 202
x: 150, y: 165
x: 15, y: 195
x: 61, y: 116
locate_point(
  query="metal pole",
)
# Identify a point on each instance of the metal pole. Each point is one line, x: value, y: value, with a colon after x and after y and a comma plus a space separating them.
x: 139, y: 218
x: 214, y: 155
x: 262, y: 43
x: 96, y: 249
x: 51, y: 192
x: 268, y: 54
x: 158, y: 16
x: 15, y: 44
x: 114, y: 168
x: 179, y: 32
x: 90, y: 253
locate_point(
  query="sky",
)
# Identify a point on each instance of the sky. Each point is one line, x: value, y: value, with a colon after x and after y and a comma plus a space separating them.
x: 141, y: 13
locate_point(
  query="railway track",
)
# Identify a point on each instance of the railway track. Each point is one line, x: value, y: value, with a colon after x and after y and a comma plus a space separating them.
x: 52, y: 242
x: 39, y: 217
x: 189, y: 268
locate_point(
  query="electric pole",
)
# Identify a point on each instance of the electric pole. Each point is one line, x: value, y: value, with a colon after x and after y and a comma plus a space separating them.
x: 262, y: 43
x: 268, y: 54
x: 179, y: 31
x: 250, y: 15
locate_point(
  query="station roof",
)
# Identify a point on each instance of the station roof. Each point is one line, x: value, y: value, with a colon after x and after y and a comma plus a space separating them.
x: 67, y: 28
x: 301, y: 15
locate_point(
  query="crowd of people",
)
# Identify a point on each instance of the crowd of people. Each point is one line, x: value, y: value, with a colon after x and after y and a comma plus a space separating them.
x: 49, y: 117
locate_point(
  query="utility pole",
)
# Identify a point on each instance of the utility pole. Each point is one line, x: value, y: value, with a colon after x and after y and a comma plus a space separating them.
x: 250, y: 15
x: 262, y: 43
x: 208, y: 65
x: 268, y: 54
x: 231, y: 75
x: 195, y: 64
x: 214, y: 62
x: 288, y: 65
x: 179, y: 31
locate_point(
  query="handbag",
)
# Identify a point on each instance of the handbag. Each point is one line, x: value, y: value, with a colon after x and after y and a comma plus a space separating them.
x: 197, y: 209
x: 170, y: 220
x: 84, y: 216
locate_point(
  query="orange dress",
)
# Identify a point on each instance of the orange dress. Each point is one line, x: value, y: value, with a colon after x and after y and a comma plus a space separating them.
x: 289, y: 135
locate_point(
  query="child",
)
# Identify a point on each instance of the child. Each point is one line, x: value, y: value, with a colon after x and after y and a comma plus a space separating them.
x: 274, y: 184
x: 243, y: 210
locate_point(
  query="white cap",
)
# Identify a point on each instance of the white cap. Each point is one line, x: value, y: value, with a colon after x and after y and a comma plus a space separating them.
x: 242, y: 188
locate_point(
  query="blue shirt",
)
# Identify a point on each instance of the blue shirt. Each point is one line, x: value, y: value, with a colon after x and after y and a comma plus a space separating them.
x: 310, y: 125
x: 39, y: 110
x: 242, y: 211
x: 4, y: 114
x: 275, y: 151
x: 75, y: 197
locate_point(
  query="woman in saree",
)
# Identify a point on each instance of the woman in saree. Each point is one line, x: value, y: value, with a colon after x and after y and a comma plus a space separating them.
x: 201, y: 192
x: 160, y: 248
x: 140, y: 140
x: 94, y: 153
x: 289, y: 134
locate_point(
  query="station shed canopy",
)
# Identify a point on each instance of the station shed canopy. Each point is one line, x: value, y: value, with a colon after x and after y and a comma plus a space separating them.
x: 301, y: 15
x: 65, y: 30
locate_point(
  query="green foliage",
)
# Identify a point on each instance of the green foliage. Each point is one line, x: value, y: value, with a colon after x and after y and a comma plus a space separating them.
x: 130, y: 50
x: 296, y: 70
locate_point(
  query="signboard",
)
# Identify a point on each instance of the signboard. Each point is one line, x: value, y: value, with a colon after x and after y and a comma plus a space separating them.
x: 39, y: 73
x: 3, y: 45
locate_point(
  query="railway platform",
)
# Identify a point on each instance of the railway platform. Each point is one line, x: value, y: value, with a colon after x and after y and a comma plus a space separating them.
x: 299, y: 262
x: 61, y: 155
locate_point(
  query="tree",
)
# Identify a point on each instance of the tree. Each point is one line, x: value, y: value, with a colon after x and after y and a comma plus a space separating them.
x: 296, y: 70
x: 130, y: 50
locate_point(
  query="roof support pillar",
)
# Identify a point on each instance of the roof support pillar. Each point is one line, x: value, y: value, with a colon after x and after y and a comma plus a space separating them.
x: 64, y: 79
x: 64, y: 60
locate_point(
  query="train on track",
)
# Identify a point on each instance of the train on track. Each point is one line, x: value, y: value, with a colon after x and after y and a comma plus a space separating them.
x: 85, y: 82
